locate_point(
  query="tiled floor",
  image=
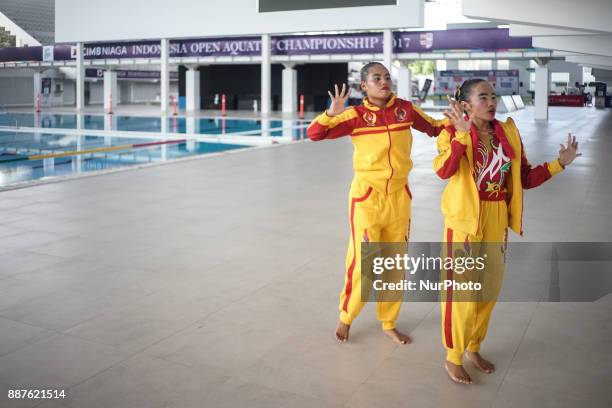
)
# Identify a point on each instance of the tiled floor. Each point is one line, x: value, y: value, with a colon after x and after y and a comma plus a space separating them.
x: 214, y: 283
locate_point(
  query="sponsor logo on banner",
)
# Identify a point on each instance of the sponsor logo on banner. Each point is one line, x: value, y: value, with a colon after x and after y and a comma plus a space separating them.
x: 48, y: 53
x: 426, y: 40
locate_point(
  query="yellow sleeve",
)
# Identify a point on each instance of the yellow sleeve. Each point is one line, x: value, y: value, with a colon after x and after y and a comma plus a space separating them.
x: 332, y: 127
x: 450, y: 151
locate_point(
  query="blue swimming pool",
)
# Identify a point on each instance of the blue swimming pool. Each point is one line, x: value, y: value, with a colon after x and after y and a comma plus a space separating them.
x: 209, y: 126
x: 62, y: 155
x: 36, y: 146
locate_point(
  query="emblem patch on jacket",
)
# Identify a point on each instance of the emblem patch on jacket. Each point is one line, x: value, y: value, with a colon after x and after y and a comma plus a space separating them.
x: 370, y: 118
x: 400, y: 114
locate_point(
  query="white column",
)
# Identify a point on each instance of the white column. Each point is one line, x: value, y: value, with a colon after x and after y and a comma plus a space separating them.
x: 266, y: 75
x: 265, y: 127
x: 541, y: 91
x: 111, y: 94
x: 192, y: 124
x: 110, y: 123
x: 80, y: 125
x: 80, y: 78
x: 404, y: 81
x: 289, y: 89
x: 165, y: 75
x: 192, y: 89
x: 37, y: 88
x: 164, y: 123
x: 387, y: 48
x: 288, y: 129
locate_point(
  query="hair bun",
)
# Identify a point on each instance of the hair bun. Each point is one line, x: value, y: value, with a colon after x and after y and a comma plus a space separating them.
x: 457, y: 93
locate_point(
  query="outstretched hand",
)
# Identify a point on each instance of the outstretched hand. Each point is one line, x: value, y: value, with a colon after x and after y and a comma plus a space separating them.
x: 569, y: 153
x: 456, y: 116
x: 338, y: 100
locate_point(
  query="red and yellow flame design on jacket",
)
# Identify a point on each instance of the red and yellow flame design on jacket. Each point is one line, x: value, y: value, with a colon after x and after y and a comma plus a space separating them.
x: 455, y: 161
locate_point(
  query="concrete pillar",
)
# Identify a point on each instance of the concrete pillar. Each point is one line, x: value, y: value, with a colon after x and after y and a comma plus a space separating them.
x: 164, y: 125
x: 388, y: 48
x: 192, y: 124
x: 49, y: 167
x: 110, y: 123
x: 266, y: 74
x: 164, y: 152
x: 80, y: 77
x: 288, y: 129
x: 541, y: 90
x: 164, y: 71
x: 192, y: 89
x: 111, y: 94
x: 265, y: 127
x: 404, y: 81
x: 37, y: 89
x: 77, y: 161
x: 289, y: 89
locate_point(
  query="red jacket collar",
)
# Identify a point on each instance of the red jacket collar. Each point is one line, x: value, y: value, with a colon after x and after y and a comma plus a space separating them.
x: 499, y: 133
x: 373, y: 107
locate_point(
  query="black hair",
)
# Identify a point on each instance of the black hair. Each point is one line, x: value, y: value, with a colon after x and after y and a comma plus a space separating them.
x: 462, y: 93
x: 366, y: 68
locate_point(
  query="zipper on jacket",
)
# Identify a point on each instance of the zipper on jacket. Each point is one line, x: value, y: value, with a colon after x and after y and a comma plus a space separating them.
x: 475, y: 185
x: 388, y: 151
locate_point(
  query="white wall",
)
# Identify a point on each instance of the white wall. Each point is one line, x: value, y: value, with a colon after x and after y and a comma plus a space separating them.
x: 522, y: 66
x: 96, y: 93
x: 78, y: 20
x: 574, y: 70
x: 129, y: 92
x: 17, y: 91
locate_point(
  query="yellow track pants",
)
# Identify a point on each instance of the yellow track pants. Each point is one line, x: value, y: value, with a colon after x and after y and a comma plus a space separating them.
x: 374, y: 217
x: 465, y: 317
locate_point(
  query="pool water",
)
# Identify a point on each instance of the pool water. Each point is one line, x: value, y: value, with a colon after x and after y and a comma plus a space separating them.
x: 16, y: 148
x: 209, y: 126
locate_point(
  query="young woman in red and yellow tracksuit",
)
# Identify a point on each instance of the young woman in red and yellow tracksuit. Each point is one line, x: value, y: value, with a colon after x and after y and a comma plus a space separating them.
x: 380, y: 199
x: 485, y: 163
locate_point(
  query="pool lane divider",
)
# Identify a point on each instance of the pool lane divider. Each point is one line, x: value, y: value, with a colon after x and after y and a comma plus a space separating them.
x: 96, y: 150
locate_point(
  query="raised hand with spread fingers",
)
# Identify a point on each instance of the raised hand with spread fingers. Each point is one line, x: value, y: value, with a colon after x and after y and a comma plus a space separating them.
x: 457, y: 117
x: 338, y: 100
x: 569, y: 153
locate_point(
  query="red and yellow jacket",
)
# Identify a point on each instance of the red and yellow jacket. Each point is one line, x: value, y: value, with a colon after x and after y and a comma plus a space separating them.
x: 455, y: 161
x: 381, y: 137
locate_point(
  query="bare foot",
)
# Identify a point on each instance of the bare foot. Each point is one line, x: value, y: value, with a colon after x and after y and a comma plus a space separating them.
x: 457, y: 373
x: 482, y: 364
x: 398, y: 337
x: 342, y: 332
